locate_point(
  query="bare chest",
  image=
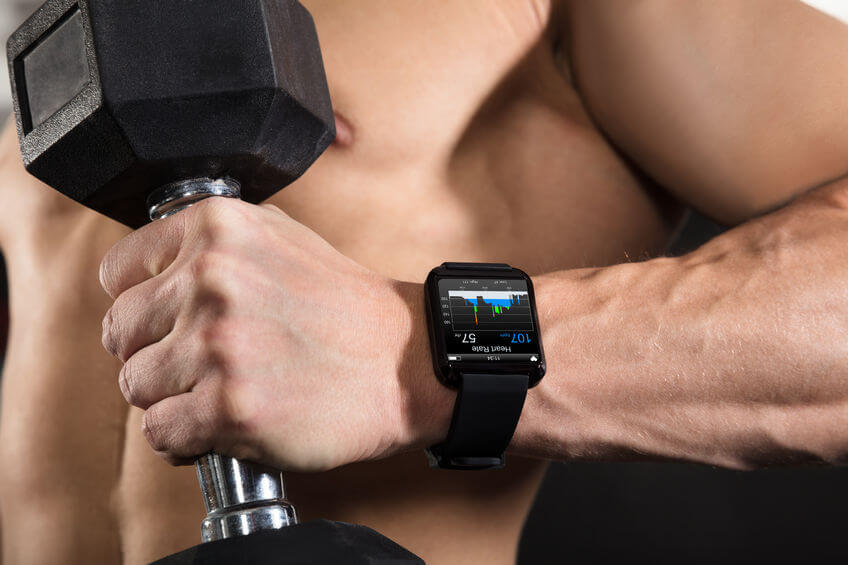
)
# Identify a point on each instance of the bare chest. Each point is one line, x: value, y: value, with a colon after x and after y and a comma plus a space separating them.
x: 462, y: 138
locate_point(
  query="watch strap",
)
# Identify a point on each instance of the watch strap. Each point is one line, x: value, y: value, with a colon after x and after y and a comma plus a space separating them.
x: 454, y: 266
x: 485, y: 415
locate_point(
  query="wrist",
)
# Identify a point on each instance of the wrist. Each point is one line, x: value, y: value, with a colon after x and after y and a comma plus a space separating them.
x: 425, y: 406
x: 600, y: 328
x: 557, y: 421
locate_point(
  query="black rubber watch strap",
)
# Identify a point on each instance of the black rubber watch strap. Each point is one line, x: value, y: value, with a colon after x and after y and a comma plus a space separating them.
x: 485, y: 416
x: 477, y: 266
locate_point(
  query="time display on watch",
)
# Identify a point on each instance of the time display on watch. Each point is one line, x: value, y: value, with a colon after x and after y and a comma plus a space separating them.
x: 487, y: 320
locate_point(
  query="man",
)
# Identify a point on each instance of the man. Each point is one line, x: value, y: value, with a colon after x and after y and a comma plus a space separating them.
x: 556, y: 137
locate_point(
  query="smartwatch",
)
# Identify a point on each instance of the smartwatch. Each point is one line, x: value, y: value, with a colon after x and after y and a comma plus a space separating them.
x: 485, y: 339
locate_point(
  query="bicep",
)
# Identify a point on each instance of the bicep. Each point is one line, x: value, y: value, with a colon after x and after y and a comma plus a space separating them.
x: 733, y: 106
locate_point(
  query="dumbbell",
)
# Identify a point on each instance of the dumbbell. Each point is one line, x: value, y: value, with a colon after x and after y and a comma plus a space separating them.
x: 140, y: 108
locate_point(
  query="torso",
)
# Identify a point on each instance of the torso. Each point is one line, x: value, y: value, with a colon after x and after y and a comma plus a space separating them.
x: 469, y: 142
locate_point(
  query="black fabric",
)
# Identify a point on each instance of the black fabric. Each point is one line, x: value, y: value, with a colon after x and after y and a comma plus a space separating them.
x: 485, y: 416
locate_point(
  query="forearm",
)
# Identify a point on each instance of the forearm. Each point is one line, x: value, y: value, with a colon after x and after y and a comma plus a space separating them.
x: 732, y: 355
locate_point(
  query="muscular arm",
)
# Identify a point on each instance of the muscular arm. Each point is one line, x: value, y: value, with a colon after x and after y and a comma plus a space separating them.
x: 736, y: 354
x: 733, y: 355
x: 734, y: 107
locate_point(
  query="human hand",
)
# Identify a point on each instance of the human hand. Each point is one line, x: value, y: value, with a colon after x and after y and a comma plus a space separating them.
x: 244, y: 332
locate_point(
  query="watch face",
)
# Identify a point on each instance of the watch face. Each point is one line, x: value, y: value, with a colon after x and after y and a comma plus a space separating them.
x: 487, y: 320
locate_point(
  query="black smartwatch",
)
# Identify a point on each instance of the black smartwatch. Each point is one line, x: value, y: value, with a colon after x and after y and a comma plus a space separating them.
x: 485, y: 338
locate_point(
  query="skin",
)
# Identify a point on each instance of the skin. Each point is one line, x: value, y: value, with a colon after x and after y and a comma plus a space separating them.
x: 732, y: 355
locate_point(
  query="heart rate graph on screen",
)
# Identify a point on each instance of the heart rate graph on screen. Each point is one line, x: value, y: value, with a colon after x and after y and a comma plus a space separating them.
x: 490, y: 310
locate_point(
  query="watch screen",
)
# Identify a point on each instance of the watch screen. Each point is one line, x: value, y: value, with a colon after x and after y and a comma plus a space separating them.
x: 487, y: 320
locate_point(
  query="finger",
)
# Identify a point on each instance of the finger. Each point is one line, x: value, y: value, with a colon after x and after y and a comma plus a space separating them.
x: 141, y: 316
x: 143, y: 254
x: 181, y: 428
x: 157, y: 372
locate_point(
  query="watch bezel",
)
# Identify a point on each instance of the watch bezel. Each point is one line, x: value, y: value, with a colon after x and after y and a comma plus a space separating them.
x: 448, y: 372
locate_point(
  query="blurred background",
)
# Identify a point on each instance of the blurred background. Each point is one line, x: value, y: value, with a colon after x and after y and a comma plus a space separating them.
x: 12, y: 14
x: 651, y: 512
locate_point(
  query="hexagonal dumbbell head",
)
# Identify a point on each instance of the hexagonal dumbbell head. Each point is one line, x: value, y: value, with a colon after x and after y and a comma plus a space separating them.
x: 320, y: 542
x: 115, y: 98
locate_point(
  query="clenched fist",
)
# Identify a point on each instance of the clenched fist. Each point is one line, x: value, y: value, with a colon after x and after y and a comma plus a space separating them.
x: 244, y: 332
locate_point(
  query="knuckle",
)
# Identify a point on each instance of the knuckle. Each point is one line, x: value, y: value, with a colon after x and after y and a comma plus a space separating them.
x: 110, y: 267
x: 221, y: 419
x: 212, y: 208
x: 209, y: 265
x: 105, y: 273
x: 227, y: 419
x: 210, y: 286
x: 221, y: 350
x: 213, y: 301
x: 115, y: 332
x: 136, y: 389
x: 154, y: 432
x: 214, y: 217
x: 173, y: 285
x: 107, y: 337
x: 125, y: 382
x: 164, y: 434
x: 218, y: 359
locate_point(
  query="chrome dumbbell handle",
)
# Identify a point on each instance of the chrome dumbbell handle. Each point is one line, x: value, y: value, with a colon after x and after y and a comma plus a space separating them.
x: 241, y: 497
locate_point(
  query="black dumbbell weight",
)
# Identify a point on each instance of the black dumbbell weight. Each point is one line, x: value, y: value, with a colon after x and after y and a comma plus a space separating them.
x: 139, y: 108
